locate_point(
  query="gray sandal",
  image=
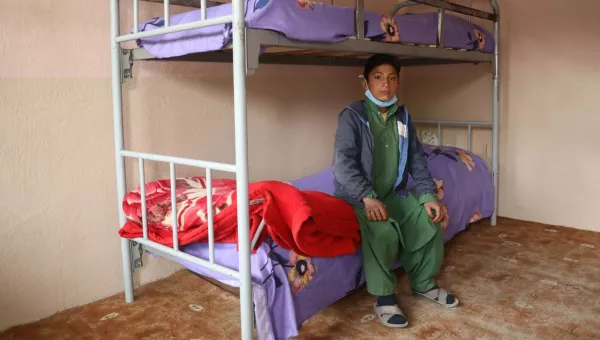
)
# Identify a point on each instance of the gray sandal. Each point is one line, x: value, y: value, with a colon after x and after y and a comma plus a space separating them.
x: 440, y: 296
x: 385, y: 313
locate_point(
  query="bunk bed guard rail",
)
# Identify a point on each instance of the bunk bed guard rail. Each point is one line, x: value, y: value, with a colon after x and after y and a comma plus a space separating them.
x: 174, y: 250
x: 455, y: 124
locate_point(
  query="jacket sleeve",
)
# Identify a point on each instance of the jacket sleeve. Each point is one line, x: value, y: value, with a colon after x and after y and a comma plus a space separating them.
x: 425, y: 187
x: 347, y: 167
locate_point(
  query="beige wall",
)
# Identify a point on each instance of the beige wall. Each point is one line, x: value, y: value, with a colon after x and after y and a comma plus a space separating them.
x: 59, y: 246
x: 550, y: 81
x: 58, y: 203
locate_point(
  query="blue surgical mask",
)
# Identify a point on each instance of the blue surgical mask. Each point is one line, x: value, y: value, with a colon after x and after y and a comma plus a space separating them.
x: 379, y: 102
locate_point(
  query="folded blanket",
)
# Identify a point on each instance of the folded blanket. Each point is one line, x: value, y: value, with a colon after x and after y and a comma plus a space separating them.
x: 308, y: 222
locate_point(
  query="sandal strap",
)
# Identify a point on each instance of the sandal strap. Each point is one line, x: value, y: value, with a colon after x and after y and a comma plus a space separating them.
x: 389, y: 310
x: 437, y: 294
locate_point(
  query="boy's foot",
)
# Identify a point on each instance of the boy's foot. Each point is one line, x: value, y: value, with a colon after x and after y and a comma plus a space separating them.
x: 391, y: 316
x: 440, y: 296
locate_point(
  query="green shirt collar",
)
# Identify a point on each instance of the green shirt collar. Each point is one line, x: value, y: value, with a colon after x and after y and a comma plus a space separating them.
x: 374, y: 110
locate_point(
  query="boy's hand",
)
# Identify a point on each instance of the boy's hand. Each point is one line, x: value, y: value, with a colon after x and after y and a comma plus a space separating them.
x: 435, y: 211
x: 376, y: 211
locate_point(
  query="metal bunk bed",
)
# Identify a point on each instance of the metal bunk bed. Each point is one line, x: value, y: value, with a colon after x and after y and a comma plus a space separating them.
x: 245, y: 53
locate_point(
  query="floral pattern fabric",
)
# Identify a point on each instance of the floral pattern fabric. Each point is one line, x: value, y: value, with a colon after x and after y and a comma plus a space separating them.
x: 390, y: 29
x: 459, y: 156
x: 191, y: 198
x: 477, y: 39
x: 306, y: 4
x: 301, y: 272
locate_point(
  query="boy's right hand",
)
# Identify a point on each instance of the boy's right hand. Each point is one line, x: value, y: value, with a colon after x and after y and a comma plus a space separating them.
x: 376, y: 211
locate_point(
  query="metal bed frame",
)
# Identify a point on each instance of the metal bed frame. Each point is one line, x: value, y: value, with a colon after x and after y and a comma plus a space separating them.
x: 244, y: 54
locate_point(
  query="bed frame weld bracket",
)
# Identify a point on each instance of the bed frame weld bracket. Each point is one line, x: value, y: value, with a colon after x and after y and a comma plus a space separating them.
x: 136, y: 256
x: 359, y: 19
x: 126, y: 66
x: 252, y: 52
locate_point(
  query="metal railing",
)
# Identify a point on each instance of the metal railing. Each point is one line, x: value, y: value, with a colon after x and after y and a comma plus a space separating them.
x: 455, y: 123
x: 444, y: 6
x: 168, y: 28
x: 174, y: 250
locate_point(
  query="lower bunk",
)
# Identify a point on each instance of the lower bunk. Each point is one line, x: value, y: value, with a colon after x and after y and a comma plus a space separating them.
x: 289, y: 288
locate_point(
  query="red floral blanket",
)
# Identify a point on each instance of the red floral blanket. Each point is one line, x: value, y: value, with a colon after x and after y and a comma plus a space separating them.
x: 191, y: 202
x: 310, y: 223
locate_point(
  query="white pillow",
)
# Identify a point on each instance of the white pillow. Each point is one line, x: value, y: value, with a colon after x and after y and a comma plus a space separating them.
x: 429, y: 138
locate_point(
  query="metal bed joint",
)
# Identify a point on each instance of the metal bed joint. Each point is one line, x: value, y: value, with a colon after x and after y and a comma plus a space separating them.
x: 252, y: 52
x: 126, y: 66
x: 137, y: 261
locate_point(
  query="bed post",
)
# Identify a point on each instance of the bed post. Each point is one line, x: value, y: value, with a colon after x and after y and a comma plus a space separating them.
x: 495, y: 110
x: 118, y: 135
x: 241, y: 164
x: 359, y: 19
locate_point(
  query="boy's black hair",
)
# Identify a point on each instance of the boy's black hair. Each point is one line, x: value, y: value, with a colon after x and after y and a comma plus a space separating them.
x: 378, y: 60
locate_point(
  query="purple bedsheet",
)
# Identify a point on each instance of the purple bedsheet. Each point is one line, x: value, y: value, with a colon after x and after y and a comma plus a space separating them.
x: 312, y: 21
x: 318, y: 22
x: 284, y: 298
x: 421, y: 29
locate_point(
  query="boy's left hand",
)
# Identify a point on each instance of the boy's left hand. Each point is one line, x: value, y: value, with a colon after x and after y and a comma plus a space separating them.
x: 435, y: 211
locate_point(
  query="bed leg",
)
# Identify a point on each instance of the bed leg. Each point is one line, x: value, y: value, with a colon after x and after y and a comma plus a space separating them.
x: 495, y: 118
x: 116, y: 70
x: 240, y: 68
x: 127, y: 270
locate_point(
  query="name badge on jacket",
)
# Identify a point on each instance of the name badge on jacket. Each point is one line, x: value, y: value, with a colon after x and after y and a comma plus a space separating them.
x: 402, y: 129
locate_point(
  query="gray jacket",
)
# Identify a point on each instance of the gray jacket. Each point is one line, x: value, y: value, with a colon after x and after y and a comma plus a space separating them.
x: 353, y: 157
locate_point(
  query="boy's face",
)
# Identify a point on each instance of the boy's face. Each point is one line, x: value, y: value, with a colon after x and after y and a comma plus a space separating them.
x: 383, y: 82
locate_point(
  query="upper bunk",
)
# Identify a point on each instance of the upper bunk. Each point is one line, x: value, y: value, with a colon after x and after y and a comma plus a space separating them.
x: 315, y: 33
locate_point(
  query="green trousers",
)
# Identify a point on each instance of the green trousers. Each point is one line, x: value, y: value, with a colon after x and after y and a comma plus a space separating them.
x: 409, y: 236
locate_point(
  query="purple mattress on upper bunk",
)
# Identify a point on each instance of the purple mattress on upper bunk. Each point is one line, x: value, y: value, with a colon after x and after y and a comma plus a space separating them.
x: 305, y: 20
x: 288, y: 289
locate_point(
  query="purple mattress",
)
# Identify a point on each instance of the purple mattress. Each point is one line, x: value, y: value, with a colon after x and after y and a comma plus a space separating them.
x: 289, y: 289
x: 312, y: 21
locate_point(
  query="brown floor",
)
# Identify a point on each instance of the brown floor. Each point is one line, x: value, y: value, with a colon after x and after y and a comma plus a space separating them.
x: 518, y: 280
